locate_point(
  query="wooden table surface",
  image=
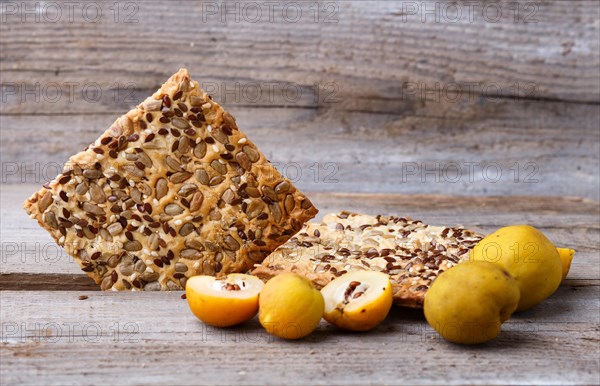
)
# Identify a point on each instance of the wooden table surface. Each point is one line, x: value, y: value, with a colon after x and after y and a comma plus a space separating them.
x: 384, y: 107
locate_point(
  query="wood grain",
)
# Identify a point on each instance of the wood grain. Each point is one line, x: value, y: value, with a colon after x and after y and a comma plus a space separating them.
x: 371, y: 48
x: 373, y: 94
x: 31, y: 260
x: 152, y: 338
x: 514, y: 148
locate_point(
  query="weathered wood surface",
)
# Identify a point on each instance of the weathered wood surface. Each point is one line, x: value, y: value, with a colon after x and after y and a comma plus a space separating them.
x: 369, y: 46
x: 492, y: 148
x: 31, y: 259
x: 361, y: 117
x: 152, y: 338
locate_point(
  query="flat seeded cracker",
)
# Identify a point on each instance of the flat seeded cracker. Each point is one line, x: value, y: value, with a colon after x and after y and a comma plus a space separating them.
x: 411, y: 252
x: 172, y: 189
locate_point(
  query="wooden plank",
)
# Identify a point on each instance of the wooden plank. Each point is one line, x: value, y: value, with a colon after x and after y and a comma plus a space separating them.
x: 31, y: 260
x: 490, y: 148
x: 384, y: 46
x: 152, y: 338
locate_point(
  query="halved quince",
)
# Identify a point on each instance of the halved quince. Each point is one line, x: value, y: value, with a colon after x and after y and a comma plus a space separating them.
x: 224, y: 302
x: 358, y: 300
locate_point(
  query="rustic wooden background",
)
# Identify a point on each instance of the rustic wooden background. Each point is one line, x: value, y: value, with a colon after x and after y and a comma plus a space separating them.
x: 357, y: 102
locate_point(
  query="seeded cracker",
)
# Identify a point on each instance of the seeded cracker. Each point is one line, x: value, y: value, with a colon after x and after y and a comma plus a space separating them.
x: 172, y: 189
x: 412, y: 253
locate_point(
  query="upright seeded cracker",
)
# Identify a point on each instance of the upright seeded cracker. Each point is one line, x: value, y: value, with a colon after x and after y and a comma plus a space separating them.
x: 172, y: 189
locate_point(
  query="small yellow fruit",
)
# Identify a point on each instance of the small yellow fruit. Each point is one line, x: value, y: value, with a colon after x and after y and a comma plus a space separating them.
x: 468, y: 303
x: 566, y: 256
x: 528, y: 256
x: 290, y: 307
x: 358, y: 301
x: 224, y: 302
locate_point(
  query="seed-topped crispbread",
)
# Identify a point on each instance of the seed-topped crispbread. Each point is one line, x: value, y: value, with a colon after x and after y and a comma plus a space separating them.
x: 411, y: 252
x: 172, y: 189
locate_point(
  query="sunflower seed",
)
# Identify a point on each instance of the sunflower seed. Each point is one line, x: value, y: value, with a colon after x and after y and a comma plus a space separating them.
x: 50, y: 220
x: 140, y: 266
x: 289, y: 203
x: 216, y: 180
x: 180, y: 123
x: 173, y: 164
x: 244, y: 161
x: 251, y: 152
x: 186, y: 229
x: 132, y: 246
x: 194, y: 244
x: 190, y: 253
x: 93, y: 209
x: 153, y: 242
x: 133, y: 171
x: 161, y: 188
x: 276, y: 212
x: 305, y: 204
x: 107, y: 283
x: 200, y: 150
x: 92, y: 174
x: 113, y: 261
x: 252, y: 192
x: 136, y: 195
x: 97, y: 194
x: 149, y: 276
x: 187, y: 189
x: 115, y: 228
x: 228, y: 196
x: 152, y: 286
x: 81, y: 189
x: 152, y: 105
x: 184, y: 145
x: 230, y: 243
x: 45, y: 202
x: 145, y: 159
x: 180, y: 267
x: 282, y: 187
x: 219, y: 167
x: 126, y: 269
x: 220, y: 136
x: 196, y: 201
x: 173, y: 210
x: 229, y: 121
x: 202, y: 176
x: 105, y: 235
x: 254, y: 208
x: 131, y: 157
x: 269, y: 192
x: 180, y: 177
